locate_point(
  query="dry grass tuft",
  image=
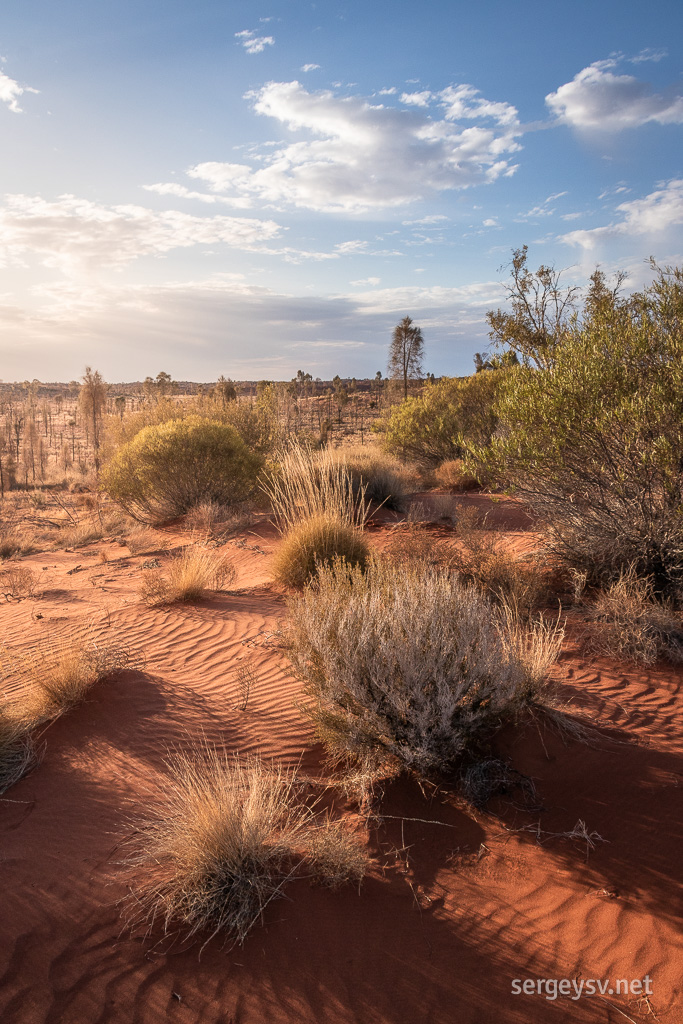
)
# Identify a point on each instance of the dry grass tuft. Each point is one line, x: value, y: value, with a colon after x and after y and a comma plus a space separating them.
x: 452, y: 475
x: 628, y: 622
x: 535, y: 645
x: 315, y: 542
x: 382, y: 478
x: 14, y: 541
x: 225, y: 838
x: 190, y: 575
x: 142, y: 541
x: 403, y: 664
x: 17, y: 750
x: 53, y: 677
x: 313, y: 484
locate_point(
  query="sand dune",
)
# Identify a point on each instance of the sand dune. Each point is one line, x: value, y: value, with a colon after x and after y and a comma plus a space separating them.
x: 450, y: 913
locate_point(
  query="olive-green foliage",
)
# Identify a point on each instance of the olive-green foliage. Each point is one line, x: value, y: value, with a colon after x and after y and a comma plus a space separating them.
x: 255, y: 423
x: 315, y: 542
x: 166, y: 469
x: 437, y: 424
x: 594, y: 442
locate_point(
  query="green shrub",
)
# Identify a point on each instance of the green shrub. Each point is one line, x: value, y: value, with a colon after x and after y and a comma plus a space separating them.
x: 436, y: 425
x: 594, y: 442
x: 314, y: 542
x: 405, y: 664
x: 167, y: 469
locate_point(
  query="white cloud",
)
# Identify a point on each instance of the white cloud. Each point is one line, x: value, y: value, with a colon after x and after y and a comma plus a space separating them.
x: 196, y: 329
x: 463, y: 101
x: 490, y: 222
x: 648, y: 54
x: 253, y: 43
x: 361, y: 156
x: 372, y: 281
x: 596, y: 98
x: 77, y: 235
x: 310, y: 67
x: 416, y: 99
x: 172, y: 188
x: 431, y: 218
x: 10, y: 91
x: 653, y: 215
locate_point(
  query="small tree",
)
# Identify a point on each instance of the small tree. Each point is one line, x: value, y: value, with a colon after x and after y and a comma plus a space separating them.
x: 406, y: 353
x: 541, y: 311
x: 92, y: 399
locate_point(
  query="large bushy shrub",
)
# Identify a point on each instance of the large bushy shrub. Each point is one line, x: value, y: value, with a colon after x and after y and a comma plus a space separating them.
x: 437, y: 424
x: 594, y: 442
x: 404, y: 664
x: 167, y: 469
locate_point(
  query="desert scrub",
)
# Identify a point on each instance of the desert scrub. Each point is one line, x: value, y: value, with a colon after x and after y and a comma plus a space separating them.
x: 17, y: 581
x: 626, y: 621
x: 316, y: 542
x: 192, y: 573
x: 223, y: 840
x: 405, y: 665
x: 593, y: 441
x: 445, y: 417
x: 167, y: 469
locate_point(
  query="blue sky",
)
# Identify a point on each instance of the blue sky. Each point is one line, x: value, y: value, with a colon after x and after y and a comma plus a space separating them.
x: 250, y: 189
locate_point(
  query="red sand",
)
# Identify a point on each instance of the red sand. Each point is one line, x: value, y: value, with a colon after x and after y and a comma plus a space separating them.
x: 450, y: 913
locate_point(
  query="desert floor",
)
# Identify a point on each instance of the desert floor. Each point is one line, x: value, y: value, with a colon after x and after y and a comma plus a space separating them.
x: 455, y: 907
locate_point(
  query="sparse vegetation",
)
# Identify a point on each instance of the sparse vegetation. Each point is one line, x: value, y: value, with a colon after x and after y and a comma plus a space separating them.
x: 225, y: 838
x: 52, y: 677
x: 190, y: 574
x: 481, y: 557
x: 17, y: 581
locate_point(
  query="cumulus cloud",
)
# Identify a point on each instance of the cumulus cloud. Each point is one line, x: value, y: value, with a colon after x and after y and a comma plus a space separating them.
x: 76, y: 235
x: 10, y: 91
x: 253, y: 43
x: 360, y: 156
x: 310, y: 67
x: 464, y: 101
x: 654, y: 214
x: 599, y: 99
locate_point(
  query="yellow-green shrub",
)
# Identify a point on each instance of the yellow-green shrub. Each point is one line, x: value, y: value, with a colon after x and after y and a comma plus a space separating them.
x: 166, y: 469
